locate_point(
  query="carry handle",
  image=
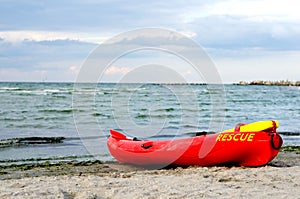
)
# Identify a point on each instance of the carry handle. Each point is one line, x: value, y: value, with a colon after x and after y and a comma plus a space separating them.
x: 238, y: 127
x: 146, y: 145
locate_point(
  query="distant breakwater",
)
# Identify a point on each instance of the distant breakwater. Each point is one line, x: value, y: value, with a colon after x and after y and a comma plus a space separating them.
x: 271, y: 83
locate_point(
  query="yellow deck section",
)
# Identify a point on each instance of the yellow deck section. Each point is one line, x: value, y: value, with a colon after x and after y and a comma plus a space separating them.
x: 255, y: 127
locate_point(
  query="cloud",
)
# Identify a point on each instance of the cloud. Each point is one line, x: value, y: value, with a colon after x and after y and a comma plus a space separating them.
x: 233, y: 32
x: 231, y: 24
x: 18, y: 36
x: 30, y: 54
x: 73, y: 69
x: 222, y: 24
x: 26, y: 59
x: 52, y: 36
x: 252, y: 10
x: 96, y: 17
x: 117, y: 70
x: 85, y: 15
x: 258, y: 10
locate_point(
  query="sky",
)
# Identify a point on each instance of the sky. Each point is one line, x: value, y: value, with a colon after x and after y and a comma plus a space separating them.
x: 245, y: 39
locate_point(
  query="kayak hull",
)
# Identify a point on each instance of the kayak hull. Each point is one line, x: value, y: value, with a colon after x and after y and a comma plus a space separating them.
x: 234, y: 148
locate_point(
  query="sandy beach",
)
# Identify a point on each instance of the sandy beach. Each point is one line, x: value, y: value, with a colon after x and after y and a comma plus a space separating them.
x: 279, y: 179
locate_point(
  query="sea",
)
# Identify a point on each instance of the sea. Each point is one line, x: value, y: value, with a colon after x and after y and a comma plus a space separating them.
x: 67, y: 121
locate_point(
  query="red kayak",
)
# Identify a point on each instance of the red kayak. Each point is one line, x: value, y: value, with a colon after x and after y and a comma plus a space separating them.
x: 242, y: 146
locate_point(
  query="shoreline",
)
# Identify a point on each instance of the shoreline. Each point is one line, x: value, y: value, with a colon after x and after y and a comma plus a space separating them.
x: 93, y: 179
x: 96, y: 179
x: 288, y: 156
x: 96, y: 167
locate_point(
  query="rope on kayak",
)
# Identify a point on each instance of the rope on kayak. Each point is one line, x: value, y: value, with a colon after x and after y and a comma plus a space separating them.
x: 276, y: 140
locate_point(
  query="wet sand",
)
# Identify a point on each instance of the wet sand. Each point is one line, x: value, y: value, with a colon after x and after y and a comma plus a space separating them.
x: 93, y: 179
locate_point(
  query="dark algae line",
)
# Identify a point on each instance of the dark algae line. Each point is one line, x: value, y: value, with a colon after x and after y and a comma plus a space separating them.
x: 30, y: 140
x: 291, y: 149
x: 67, y: 158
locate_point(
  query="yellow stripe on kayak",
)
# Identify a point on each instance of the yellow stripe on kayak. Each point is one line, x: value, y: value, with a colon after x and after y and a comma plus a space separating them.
x: 256, y: 126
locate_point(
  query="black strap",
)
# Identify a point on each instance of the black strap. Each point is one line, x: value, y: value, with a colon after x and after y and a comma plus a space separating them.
x: 136, y: 139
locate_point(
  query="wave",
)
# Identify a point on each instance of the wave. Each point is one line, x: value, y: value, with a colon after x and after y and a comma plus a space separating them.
x: 60, y: 111
x: 29, y: 141
x: 12, y: 142
x: 141, y: 116
x: 102, y: 115
x: 10, y: 88
x: 166, y: 109
x: 13, y: 119
x: 36, y: 91
x: 55, y: 158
